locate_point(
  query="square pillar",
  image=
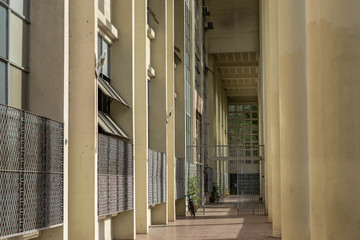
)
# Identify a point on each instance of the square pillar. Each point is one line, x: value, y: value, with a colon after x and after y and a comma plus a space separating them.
x: 83, y: 121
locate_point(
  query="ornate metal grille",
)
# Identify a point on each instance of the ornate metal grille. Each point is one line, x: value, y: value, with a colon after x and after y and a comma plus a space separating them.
x: 180, y: 178
x: 115, y: 176
x: 31, y: 172
x: 156, y: 177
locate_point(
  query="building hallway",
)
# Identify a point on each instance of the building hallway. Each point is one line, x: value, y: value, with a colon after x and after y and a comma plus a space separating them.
x: 220, y: 222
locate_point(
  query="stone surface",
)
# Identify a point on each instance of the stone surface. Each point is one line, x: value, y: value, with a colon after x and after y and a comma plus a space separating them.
x: 219, y: 222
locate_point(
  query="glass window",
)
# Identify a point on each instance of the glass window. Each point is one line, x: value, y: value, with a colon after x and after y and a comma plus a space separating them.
x: 18, y: 41
x: 231, y: 130
x: 232, y: 115
x: 19, y: 6
x: 254, y: 115
x: 3, y: 32
x: 5, y: 1
x: 255, y: 130
x: 254, y: 107
x: 247, y: 108
x: 239, y: 115
x: 2, y: 82
x: 102, y: 46
x: 239, y: 108
x: 18, y: 88
x: 231, y: 108
x: 247, y: 115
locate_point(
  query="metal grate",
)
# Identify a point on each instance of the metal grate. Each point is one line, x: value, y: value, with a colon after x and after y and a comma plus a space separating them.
x: 238, y: 170
x: 180, y: 178
x: 115, y: 176
x: 156, y: 177
x: 31, y: 172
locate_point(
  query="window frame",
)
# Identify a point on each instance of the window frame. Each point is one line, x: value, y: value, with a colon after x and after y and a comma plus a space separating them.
x: 7, y: 59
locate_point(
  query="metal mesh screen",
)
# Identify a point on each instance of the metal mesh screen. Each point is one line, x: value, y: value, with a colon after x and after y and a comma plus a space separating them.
x: 31, y: 172
x: 180, y: 178
x: 115, y: 176
x: 237, y: 169
x: 156, y: 177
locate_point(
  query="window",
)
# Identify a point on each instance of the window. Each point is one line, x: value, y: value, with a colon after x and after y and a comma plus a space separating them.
x: 14, y: 49
x: 107, y: 93
x: 243, y: 127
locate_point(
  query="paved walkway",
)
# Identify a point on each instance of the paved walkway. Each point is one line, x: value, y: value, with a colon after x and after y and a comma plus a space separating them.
x: 219, y: 222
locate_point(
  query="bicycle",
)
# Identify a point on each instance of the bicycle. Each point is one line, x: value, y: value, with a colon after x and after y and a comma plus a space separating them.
x: 191, y: 207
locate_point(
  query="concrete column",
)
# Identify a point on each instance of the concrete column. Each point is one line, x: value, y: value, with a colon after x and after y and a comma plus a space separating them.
x: 180, y: 146
x: 83, y: 121
x: 141, y: 119
x: 265, y: 61
x: 170, y: 152
x: 274, y: 119
x: 293, y: 118
x: 158, y: 95
x: 333, y: 53
x: 122, y: 73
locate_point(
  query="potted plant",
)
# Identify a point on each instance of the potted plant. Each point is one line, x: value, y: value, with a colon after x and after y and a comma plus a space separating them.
x: 194, y: 191
x: 215, y: 194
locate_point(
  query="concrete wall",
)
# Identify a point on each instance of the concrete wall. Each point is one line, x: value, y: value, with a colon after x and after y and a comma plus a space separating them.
x: 236, y: 26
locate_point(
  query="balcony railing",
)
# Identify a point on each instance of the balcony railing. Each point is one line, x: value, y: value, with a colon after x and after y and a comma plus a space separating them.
x: 31, y: 172
x: 180, y: 178
x: 115, y: 176
x: 156, y: 177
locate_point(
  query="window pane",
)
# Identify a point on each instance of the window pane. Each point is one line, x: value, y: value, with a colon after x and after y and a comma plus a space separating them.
x: 3, y: 33
x: 239, y: 108
x: 106, y: 65
x: 2, y: 82
x: 20, y: 6
x: 231, y: 108
x: 5, y: 1
x: 247, y: 108
x: 18, y: 88
x: 18, y: 41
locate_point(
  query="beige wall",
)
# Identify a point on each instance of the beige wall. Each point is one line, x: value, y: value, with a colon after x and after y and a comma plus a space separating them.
x: 236, y: 26
x: 47, y: 63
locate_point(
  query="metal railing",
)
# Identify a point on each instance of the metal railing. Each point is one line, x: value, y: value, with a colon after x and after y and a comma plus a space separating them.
x: 156, y: 177
x: 180, y: 178
x: 31, y: 172
x: 115, y: 176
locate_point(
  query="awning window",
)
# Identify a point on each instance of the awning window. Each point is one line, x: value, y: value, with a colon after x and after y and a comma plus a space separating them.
x: 108, y: 125
x: 109, y: 91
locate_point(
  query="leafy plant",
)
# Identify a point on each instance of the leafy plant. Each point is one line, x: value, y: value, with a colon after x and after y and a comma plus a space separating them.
x: 194, y: 189
x: 215, y: 194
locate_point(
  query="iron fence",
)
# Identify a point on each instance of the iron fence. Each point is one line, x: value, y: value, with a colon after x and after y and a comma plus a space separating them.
x: 156, y: 177
x: 180, y: 178
x: 115, y: 176
x: 31, y: 172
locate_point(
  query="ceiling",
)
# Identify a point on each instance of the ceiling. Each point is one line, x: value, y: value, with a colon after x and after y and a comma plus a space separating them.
x: 239, y: 73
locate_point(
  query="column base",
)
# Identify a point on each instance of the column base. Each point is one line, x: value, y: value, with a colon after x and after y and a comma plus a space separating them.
x: 180, y: 206
x: 123, y: 225
x: 159, y: 214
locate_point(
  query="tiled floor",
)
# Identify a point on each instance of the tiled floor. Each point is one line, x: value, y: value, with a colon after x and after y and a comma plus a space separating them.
x: 219, y: 222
